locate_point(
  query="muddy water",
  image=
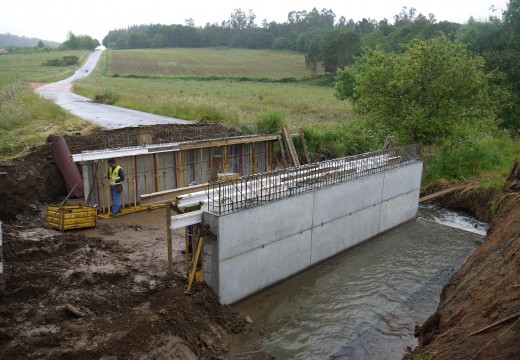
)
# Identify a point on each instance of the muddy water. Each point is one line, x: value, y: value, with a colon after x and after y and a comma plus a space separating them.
x: 363, y: 304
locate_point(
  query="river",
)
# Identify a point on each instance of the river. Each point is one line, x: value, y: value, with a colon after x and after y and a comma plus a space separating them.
x: 364, y: 303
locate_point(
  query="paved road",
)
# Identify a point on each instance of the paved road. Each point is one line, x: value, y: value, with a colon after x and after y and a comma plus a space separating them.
x: 108, y: 116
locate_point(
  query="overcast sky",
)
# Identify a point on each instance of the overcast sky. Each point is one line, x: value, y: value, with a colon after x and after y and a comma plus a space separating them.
x: 53, y: 19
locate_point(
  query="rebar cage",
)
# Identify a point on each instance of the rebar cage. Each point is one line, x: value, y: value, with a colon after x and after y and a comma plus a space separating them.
x: 238, y: 194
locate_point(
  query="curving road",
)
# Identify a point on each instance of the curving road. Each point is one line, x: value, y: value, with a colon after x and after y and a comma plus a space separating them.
x: 107, y: 116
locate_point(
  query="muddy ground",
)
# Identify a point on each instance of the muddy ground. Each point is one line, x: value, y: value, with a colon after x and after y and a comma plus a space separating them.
x: 100, y: 293
x: 104, y: 293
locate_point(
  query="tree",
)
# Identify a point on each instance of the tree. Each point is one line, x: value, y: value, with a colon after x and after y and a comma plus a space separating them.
x: 79, y: 42
x: 434, y: 89
x: 312, y: 58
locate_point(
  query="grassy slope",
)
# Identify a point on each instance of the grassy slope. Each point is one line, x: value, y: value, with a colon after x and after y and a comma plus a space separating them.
x: 181, y: 84
x: 26, y: 120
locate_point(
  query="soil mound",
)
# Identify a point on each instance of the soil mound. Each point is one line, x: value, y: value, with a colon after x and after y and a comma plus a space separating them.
x: 71, y: 296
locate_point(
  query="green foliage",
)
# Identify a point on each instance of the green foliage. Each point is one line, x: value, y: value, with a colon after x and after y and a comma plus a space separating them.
x: 109, y: 97
x: 459, y: 160
x: 343, y: 140
x: 270, y: 122
x: 345, y: 83
x: 82, y: 42
x: 423, y: 356
x: 68, y: 60
x: 426, y: 94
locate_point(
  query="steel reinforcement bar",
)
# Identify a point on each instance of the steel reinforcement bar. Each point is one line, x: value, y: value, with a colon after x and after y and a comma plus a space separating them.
x: 238, y: 194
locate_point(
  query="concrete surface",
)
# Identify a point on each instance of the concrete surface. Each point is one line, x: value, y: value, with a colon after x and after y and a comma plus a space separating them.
x: 260, y: 246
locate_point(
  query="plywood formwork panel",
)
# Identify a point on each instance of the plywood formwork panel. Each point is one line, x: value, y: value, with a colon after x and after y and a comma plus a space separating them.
x: 169, y: 169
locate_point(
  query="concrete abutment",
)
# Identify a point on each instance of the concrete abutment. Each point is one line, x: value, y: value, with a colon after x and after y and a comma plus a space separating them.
x: 260, y: 246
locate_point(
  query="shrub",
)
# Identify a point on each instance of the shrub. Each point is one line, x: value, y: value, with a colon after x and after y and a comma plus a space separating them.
x: 461, y: 160
x: 271, y: 122
x: 64, y: 61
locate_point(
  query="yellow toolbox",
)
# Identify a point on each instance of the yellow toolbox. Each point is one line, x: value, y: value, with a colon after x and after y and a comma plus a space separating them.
x: 70, y: 217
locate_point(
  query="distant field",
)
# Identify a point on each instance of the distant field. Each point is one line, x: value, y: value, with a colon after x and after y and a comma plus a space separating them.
x: 28, y: 67
x: 203, y: 62
x: 206, y: 84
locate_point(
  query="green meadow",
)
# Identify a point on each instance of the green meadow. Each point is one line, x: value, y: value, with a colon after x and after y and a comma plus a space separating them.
x: 26, y: 119
x: 229, y: 86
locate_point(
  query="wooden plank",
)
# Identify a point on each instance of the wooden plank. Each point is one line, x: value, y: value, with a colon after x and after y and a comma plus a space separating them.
x: 305, y: 149
x: 282, y: 151
x: 200, y: 240
x: 289, y: 144
x: 186, y: 219
x: 169, y: 244
x: 163, y: 197
x: 439, y: 194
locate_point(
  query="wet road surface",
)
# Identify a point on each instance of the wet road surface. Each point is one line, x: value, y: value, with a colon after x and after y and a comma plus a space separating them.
x: 107, y: 116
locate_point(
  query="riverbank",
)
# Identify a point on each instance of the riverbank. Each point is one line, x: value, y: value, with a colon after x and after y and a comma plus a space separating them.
x: 485, y: 291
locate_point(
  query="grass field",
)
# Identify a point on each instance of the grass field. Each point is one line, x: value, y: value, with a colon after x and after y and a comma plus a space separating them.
x: 26, y: 119
x: 208, y: 84
x: 204, y: 62
x: 28, y: 67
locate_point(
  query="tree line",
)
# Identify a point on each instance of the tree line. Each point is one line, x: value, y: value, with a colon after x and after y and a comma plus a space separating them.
x: 332, y: 43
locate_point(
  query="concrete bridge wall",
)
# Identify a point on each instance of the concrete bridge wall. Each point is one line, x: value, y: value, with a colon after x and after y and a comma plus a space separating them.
x: 258, y: 247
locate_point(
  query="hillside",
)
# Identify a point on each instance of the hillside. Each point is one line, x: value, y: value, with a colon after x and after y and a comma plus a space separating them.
x: 7, y: 40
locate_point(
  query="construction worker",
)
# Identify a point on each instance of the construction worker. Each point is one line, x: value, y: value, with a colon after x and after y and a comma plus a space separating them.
x: 116, y: 176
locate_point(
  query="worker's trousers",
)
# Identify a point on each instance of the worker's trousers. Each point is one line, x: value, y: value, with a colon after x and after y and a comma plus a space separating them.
x: 116, y: 199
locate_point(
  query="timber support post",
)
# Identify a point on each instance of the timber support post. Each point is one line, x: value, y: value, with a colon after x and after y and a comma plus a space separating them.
x: 169, y: 237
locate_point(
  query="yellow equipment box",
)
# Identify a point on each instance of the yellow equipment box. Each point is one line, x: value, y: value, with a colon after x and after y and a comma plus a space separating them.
x: 71, y: 217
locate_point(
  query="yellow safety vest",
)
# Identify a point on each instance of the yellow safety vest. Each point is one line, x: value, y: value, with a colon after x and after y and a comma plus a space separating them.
x: 113, y: 174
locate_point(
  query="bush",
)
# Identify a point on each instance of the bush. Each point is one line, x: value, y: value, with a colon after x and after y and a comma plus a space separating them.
x: 271, y: 122
x: 64, y: 61
x: 107, y: 98
x: 343, y: 140
x: 461, y: 160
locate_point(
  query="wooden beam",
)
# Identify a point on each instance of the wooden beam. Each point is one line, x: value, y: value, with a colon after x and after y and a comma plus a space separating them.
x: 216, y: 163
x: 169, y: 244
x: 162, y: 197
x: 305, y: 149
x: 289, y: 144
x: 186, y: 219
x: 439, y: 194
x: 282, y: 151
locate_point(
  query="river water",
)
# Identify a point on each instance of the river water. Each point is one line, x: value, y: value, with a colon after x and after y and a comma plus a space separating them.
x: 365, y: 303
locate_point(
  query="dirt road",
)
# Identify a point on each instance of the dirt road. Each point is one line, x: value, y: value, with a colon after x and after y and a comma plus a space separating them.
x: 107, y: 116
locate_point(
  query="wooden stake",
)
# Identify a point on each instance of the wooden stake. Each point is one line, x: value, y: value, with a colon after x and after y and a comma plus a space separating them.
x: 169, y: 238
x: 200, y: 239
x: 495, y: 324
